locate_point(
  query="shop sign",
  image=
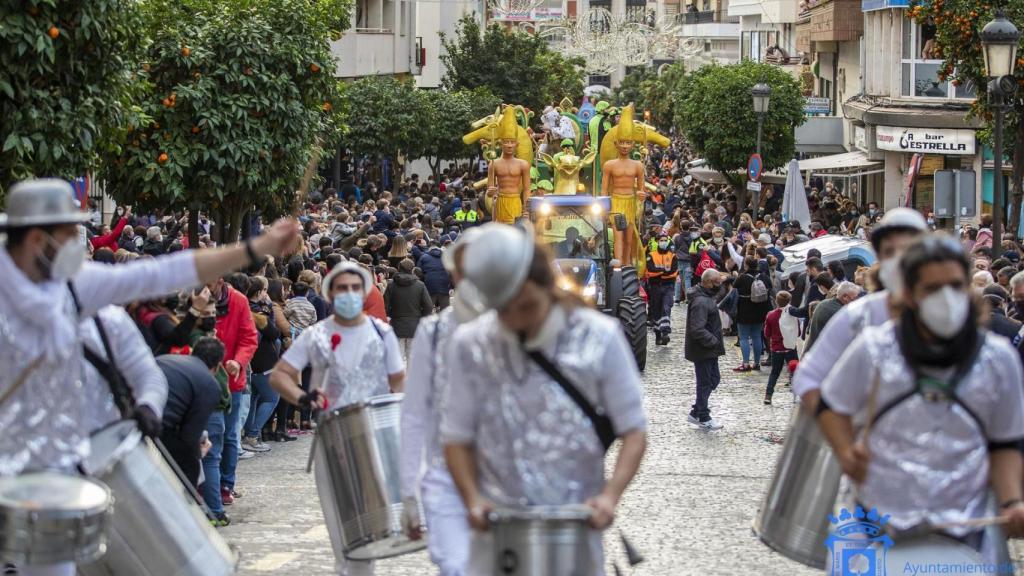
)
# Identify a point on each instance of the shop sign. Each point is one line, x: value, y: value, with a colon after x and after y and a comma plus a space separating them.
x: 860, y: 138
x: 925, y: 140
x: 817, y: 105
x: 868, y: 5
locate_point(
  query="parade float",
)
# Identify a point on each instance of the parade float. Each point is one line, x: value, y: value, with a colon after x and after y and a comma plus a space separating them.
x: 582, y: 227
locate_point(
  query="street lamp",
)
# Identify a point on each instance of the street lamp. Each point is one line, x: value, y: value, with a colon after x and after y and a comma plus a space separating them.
x: 761, y: 94
x: 999, y: 41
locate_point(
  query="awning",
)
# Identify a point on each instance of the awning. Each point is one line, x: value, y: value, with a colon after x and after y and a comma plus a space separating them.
x: 705, y: 174
x: 839, y: 163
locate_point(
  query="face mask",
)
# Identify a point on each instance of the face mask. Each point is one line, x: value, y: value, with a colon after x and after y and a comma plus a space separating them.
x: 208, y: 324
x: 663, y: 245
x: 931, y: 222
x: 67, y: 260
x: 348, y: 305
x: 889, y: 275
x: 944, y: 312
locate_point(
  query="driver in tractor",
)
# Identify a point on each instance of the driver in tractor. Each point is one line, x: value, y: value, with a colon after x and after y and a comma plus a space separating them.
x: 573, y: 246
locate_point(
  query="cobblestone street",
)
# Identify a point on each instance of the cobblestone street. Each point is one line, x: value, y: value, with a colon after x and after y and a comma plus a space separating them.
x: 689, y: 510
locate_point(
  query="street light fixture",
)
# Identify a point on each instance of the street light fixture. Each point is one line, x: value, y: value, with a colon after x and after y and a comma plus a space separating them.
x: 999, y: 41
x: 761, y: 94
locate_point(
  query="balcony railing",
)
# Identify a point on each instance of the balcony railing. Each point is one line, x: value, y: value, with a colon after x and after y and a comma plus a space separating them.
x: 706, y: 17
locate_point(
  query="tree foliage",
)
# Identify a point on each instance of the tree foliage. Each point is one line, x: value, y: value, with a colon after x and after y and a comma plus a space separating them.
x: 387, y: 119
x: 232, y: 97
x: 450, y: 115
x: 652, y: 92
x: 958, y: 25
x: 517, y: 67
x: 64, y: 84
x: 713, y: 108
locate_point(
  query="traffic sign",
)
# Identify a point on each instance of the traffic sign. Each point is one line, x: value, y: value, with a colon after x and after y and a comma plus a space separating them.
x: 754, y: 167
x: 754, y: 186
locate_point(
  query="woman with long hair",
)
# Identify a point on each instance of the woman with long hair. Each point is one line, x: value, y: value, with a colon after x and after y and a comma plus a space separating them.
x: 399, y: 251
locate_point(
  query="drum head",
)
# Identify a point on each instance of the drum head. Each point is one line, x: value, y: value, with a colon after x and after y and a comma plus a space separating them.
x: 388, y: 548
x: 108, y: 445
x: 52, y: 492
x: 933, y: 550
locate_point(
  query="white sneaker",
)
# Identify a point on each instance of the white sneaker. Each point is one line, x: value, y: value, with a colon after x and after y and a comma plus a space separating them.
x: 692, y: 419
x: 245, y: 455
x: 711, y: 424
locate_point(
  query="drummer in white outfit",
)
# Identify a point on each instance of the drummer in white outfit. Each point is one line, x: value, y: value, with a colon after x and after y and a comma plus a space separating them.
x: 513, y: 437
x: 45, y: 417
x: 425, y: 396
x: 897, y: 230
x: 946, y: 408
x: 354, y: 357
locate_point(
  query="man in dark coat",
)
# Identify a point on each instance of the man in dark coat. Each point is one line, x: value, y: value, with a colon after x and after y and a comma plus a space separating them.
x: 407, y: 301
x: 439, y: 284
x: 704, y: 344
x: 192, y: 395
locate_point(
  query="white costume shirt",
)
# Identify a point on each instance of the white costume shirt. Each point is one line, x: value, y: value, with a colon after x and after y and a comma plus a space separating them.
x: 45, y: 420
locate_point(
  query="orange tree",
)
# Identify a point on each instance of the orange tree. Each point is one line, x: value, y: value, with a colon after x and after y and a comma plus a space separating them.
x: 958, y: 26
x: 63, y: 83
x: 232, y: 99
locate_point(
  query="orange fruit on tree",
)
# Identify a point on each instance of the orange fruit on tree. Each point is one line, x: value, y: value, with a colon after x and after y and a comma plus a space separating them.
x: 186, y: 51
x: 162, y: 157
x: 53, y: 32
x: 195, y: 129
x: 314, y: 68
x: 327, y: 107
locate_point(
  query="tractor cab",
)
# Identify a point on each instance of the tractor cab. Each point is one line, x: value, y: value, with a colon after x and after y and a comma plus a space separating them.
x: 575, y: 229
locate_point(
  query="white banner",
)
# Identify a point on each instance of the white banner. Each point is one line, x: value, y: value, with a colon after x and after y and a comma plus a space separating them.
x: 926, y: 140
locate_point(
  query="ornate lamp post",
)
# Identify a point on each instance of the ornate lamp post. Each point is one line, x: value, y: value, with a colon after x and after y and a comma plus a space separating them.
x: 999, y: 41
x: 761, y: 94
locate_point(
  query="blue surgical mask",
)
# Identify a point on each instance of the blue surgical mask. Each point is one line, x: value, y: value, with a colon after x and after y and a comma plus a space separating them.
x: 348, y: 305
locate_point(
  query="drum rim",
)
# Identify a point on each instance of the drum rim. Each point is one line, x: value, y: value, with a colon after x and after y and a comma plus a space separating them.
x: 555, y: 513
x: 97, y: 510
x: 130, y: 441
x: 371, y: 402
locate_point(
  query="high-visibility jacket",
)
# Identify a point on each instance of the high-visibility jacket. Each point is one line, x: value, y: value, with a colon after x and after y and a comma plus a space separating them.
x: 461, y: 215
x: 697, y: 245
x: 662, y: 266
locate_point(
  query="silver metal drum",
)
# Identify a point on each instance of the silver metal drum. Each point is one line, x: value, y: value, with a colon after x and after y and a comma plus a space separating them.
x: 542, y: 541
x: 49, y: 518
x: 358, y: 455
x: 793, y: 518
x: 157, y: 528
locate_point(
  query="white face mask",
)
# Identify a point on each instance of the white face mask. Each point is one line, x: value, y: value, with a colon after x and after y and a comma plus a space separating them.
x: 67, y: 260
x: 944, y: 311
x: 889, y: 275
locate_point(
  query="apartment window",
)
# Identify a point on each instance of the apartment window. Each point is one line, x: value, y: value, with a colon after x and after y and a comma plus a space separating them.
x: 920, y: 66
x: 756, y: 42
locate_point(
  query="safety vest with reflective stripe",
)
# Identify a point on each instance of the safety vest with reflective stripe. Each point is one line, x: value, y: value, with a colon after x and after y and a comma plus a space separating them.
x: 661, y: 265
x: 463, y: 216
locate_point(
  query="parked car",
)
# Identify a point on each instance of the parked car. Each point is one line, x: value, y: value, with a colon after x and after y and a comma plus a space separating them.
x: 851, y: 252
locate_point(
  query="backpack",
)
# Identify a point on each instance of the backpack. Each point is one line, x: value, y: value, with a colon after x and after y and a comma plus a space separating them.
x: 758, y: 291
x: 705, y: 263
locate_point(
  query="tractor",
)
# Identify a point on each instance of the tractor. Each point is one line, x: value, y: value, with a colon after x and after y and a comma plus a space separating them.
x: 576, y: 230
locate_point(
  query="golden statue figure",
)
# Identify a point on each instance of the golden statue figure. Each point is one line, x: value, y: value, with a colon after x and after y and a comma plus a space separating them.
x: 623, y: 180
x: 508, y: 177
x: 567, y: 165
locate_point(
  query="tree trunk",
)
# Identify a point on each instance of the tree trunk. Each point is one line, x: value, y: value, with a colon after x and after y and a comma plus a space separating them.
x: 435, y: 168
x: 193, y: 227
x: 739, y: 187
x: 235, y: 214
x: 396, y: 171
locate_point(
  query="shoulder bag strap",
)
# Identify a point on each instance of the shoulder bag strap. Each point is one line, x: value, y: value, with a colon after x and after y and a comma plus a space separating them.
x: 107, y: 367
x: 602, y: 424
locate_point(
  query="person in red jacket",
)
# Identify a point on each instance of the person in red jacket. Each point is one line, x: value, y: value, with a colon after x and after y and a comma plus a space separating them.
x: 236, y: 329
x: 773, y: 333
x: 109, y: 240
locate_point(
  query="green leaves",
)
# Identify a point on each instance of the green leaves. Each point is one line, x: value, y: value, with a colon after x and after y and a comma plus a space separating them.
x: 517, y: 67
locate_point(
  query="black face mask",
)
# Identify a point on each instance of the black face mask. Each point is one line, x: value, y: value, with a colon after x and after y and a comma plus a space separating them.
x: 208, y: 324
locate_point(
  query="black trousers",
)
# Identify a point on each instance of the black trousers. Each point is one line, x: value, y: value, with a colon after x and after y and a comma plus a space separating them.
x: 779, y: 361
x: 660, y: 299
x: 708, y: 378
x: 185, y: 456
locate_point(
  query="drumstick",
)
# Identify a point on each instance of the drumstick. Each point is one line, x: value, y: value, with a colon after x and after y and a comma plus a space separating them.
x: 872, y: 407
x: 973, y: 523
x: 307, y: 175
x: 20, y: 380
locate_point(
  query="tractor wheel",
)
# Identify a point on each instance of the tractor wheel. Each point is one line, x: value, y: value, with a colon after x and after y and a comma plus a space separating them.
x: 630, y: 283
x: 632, y: 314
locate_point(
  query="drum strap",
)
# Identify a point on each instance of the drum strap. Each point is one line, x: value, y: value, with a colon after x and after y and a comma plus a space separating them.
x: 107, y: 368
x: 601, y: 423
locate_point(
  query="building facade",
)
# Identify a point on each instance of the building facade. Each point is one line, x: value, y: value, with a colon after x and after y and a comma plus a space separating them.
x: 381, y: 40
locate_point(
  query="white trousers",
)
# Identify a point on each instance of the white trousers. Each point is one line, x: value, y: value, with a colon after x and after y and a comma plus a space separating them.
x: 447, y: 527
x: 342, y: 565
